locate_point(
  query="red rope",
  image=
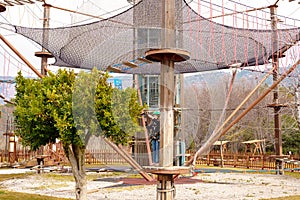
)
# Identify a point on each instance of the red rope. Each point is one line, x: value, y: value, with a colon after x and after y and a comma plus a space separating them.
x: 190, y: 28
x: 256, y: 47
x: 235, y: 33
x: 199, y: 34
x: 6, y: 75
x: 223, y: 38
x: 8, y: 66
x: 4, y: 62
x: 247, y: 42
x: 212, y: 34
x: 262, y: 47
x: 216, y: 131
x: 286, y: 58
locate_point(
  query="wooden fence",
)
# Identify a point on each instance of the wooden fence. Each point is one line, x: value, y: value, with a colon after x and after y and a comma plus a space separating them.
x: 103, y: 157
x: 248, y: 161
x: 109, y: 156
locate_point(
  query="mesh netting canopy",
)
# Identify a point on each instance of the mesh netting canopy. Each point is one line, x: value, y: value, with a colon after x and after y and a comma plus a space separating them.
x: 120, y: 42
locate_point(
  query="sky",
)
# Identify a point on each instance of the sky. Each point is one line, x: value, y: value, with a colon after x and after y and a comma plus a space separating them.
x: 31, y: 15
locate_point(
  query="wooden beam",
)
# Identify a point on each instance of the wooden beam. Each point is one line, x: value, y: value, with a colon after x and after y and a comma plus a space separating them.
x: 193, y: 159
x: 144, y: 60
x: 128, y: 159
x: 2, y: 7
x: 137, y: 85
x: 130, y: 64
x: 262, y: 96
x: 21, y: 56
x: 113, y: 69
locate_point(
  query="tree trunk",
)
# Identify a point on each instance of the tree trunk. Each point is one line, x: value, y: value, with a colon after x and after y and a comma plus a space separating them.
x: 76, y: 156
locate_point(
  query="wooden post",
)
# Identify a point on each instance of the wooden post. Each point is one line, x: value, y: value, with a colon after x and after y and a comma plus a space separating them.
x: 165, y: 182
x: 167, y: 55
x: 263, y: 161
x: 221, y: 154
x: 166, y: 113
x: 276, y: 105
x: 167, y: 86
x: 44, y: 55
x: 208, y: 159
x: 234, y: 160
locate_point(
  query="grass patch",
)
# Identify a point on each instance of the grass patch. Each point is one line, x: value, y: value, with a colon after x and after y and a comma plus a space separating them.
x: 4, y: 177
x: 64, y: 177
x: 57, y: 176
x: 293, y: 174
x: 8, y: 195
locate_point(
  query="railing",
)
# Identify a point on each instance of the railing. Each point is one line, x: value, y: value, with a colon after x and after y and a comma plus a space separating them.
x: 247, y: 161
x: 109, y: 156
x: 103, y: 157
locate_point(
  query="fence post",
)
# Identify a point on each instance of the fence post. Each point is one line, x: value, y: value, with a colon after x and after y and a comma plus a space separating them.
x: 247, y: 161
x: 263, y: 162
x: 208, y: 159
x: 234, y: 160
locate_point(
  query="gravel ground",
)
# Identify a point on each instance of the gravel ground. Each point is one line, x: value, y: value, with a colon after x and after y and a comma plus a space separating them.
x: 225, y: 186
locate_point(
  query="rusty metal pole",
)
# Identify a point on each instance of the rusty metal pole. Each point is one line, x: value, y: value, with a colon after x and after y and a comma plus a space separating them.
x: 275, y: 104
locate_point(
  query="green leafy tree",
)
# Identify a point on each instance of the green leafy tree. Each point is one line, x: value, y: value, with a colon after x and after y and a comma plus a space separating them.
x: 63, y: 106
x: 117, y: 112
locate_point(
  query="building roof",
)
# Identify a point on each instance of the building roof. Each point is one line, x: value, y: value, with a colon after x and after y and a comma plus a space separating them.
x: 252, y: 141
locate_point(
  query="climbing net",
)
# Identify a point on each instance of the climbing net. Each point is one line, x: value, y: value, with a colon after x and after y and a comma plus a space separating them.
x: 126, y: 37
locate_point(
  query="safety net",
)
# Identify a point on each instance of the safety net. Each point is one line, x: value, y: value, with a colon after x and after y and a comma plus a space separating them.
x: 119, y: 43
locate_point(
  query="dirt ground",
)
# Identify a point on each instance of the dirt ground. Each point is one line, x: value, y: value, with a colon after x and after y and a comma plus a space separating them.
x: 208, y: 186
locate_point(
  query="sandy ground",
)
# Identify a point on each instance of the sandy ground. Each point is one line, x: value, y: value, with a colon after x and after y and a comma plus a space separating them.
x: 209, y: 186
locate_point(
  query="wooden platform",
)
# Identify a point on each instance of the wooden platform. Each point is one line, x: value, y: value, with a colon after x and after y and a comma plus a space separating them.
x: 167, y: 170
x: 42, y: 54
x: 176, y: 55
x: 2, y: 8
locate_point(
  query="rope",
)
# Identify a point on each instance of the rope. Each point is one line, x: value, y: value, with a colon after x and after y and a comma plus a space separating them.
x: 228, y: 14
x: 212, y: 33
x: 216, y: 130
x: 86, y: 14
x: 263, y: 10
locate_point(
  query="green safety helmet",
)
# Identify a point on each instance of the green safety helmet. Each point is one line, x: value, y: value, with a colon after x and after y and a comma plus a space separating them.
x: 156, y: 113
